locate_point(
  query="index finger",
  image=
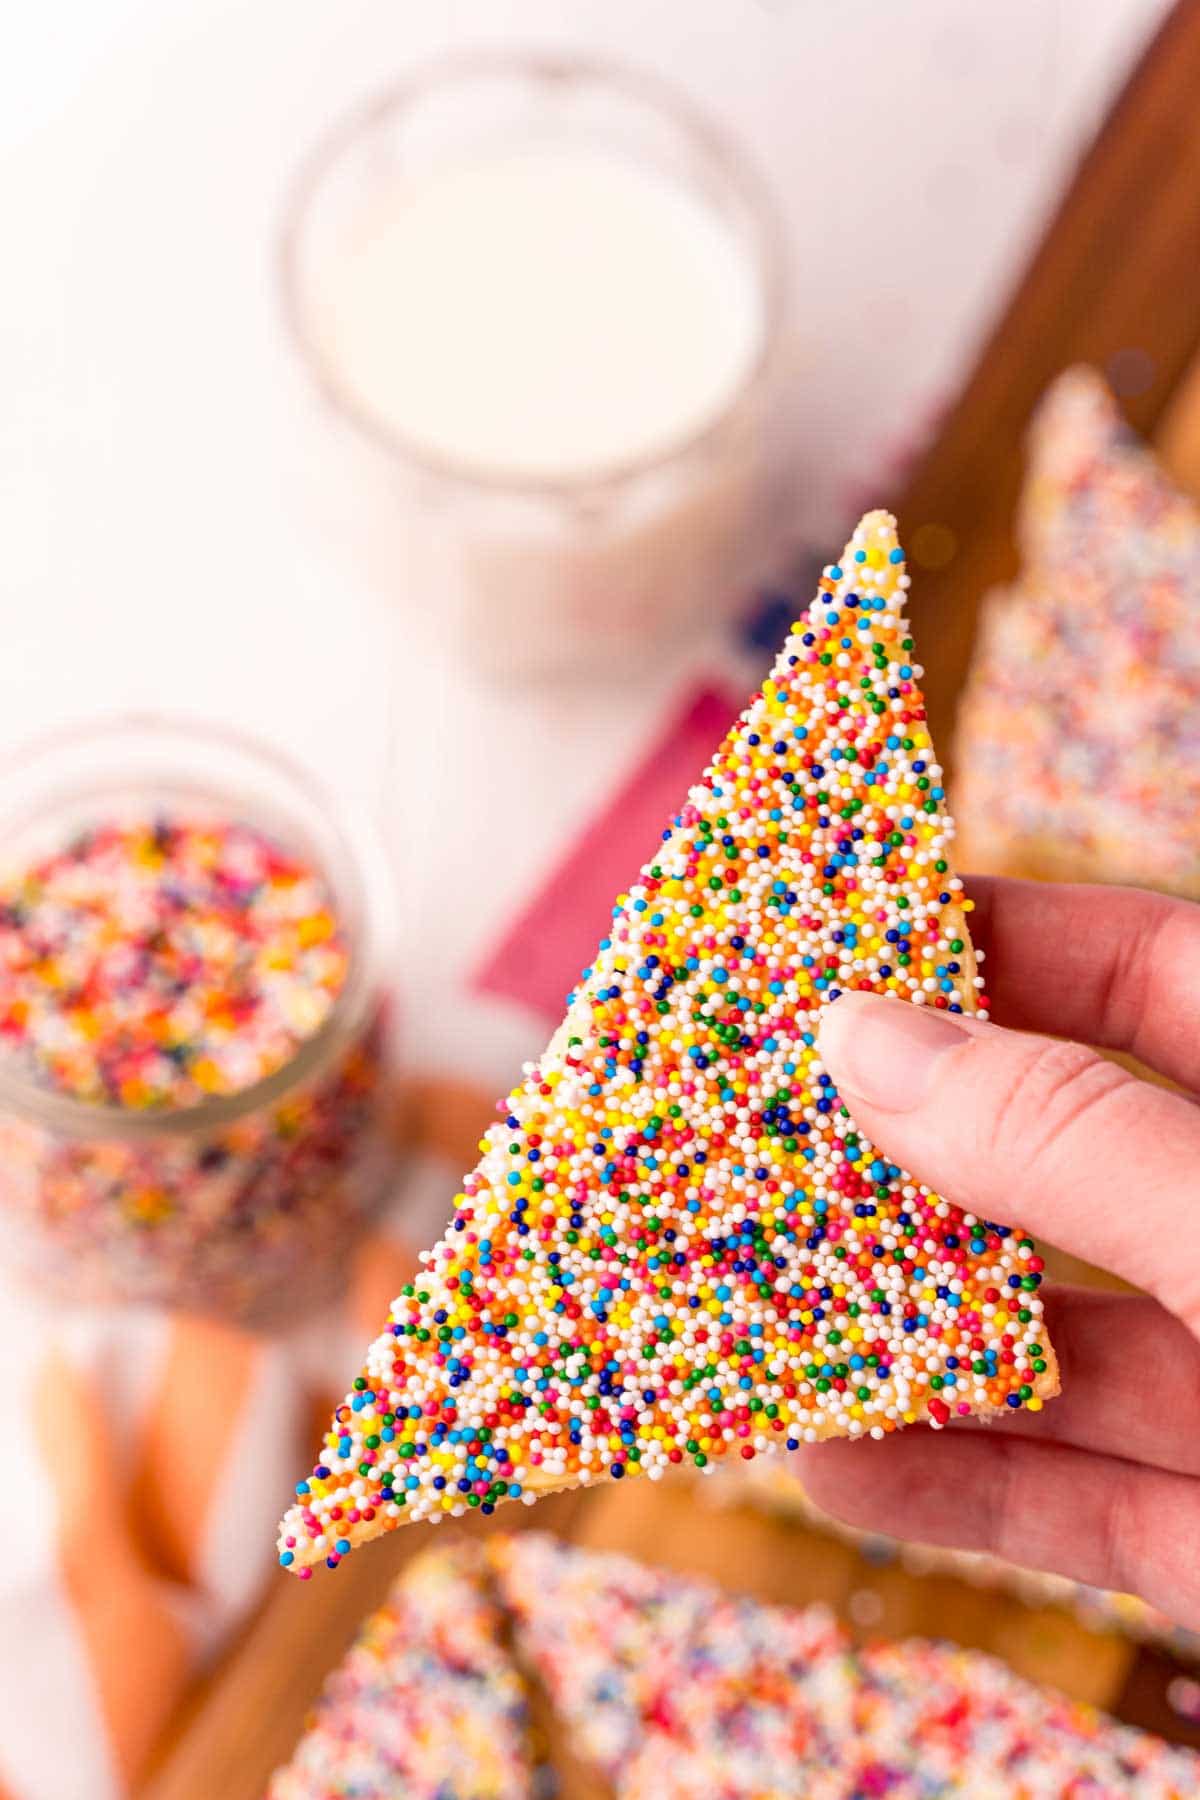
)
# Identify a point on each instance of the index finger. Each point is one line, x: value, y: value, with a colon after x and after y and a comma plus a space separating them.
x: 1114, y: 967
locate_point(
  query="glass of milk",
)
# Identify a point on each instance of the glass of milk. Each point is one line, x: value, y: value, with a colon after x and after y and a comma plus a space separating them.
x: 543, y: 300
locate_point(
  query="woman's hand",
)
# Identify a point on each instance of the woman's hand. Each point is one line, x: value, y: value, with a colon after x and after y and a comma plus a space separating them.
x: 1104, y: 1485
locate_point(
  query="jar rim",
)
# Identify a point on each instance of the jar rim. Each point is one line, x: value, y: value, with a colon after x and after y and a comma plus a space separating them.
x: 358, y: 882
x: 719, y: 149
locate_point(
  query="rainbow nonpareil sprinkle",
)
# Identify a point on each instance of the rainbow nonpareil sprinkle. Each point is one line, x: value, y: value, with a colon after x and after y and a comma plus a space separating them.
x: 676, y: 1246
x: 149, y: 966
x: 427, y: 1703
x: 157, y: 962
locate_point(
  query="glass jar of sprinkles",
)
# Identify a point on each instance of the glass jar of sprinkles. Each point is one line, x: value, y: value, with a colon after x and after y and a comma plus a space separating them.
x: 195, y: 1040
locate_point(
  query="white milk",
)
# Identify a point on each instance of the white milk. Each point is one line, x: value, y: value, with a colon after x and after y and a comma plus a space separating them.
x: 549, y: 314
x: 551, y: 343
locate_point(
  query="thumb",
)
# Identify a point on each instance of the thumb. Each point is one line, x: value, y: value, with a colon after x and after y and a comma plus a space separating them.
x: 1014, y: 1127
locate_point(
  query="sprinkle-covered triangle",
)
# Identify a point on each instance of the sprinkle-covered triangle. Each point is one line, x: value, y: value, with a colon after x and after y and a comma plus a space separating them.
x: 626, y: 1652
x: 669, y: 1686
x: 676, y: 1246
x: 427, y: 1702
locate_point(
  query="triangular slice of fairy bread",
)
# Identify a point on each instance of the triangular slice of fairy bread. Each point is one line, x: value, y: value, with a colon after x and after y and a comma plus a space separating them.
x: 426, y: 1702
x: 676, y: 1247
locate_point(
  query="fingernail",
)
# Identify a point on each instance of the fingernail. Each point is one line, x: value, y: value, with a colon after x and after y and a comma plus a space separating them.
x: 885, y: 1051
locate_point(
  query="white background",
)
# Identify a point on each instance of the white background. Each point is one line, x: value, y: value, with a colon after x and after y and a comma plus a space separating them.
x: 157, y: 452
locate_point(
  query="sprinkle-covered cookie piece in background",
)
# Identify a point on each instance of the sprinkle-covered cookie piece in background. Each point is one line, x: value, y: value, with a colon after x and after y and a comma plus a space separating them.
x: 1078, y: 747
x: 669, y: 1685
x: 627, y: 1653
x: 929, y: 1720
x: 156, y: 963
x: 662, y: 1684
x: 677, y: 1246
x: 427, y: 1703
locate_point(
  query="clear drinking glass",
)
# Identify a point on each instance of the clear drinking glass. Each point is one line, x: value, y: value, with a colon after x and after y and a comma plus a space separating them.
x: 584, y: 570
x: 243, y: 1204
